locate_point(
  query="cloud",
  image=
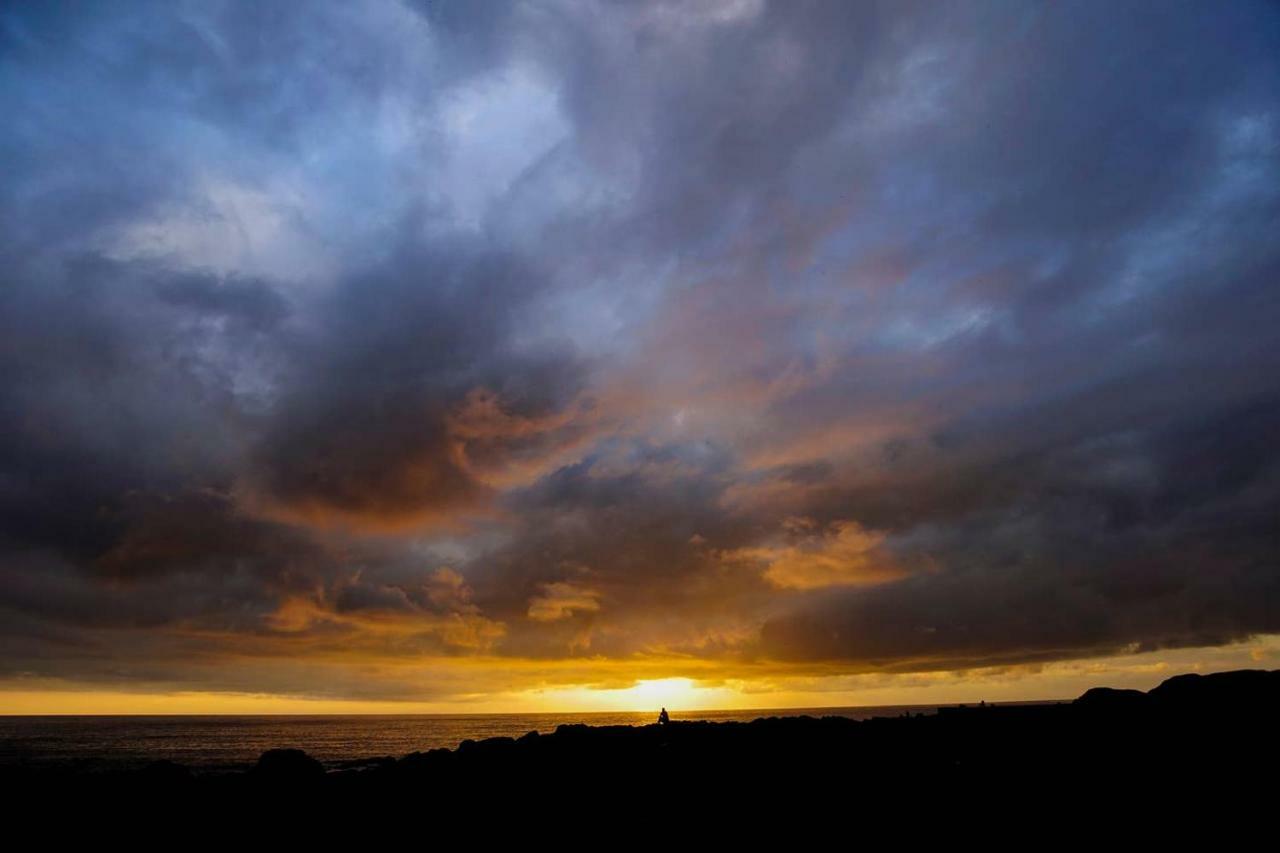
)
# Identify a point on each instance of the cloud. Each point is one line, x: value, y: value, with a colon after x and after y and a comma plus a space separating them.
x: 844, y: 555
x: 407, y: 385
x: 835, y: 337
x: 562, y: 600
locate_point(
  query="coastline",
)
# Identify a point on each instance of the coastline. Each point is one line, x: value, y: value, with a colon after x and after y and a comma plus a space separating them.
x: 1190, y: 727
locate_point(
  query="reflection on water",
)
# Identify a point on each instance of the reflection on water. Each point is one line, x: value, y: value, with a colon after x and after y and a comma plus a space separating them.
x: 225, y: 742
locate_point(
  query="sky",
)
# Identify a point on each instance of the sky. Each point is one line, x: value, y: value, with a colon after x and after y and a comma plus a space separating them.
x: 567, y: 355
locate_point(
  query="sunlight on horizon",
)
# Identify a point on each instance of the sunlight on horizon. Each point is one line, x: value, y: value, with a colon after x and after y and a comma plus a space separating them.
x: 647, y: 695
x: 677, y: 693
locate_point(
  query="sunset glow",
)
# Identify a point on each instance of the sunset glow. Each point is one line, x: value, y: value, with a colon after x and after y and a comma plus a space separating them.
x: 399, y: 357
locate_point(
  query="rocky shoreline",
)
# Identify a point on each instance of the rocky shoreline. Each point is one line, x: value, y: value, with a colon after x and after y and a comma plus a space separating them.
x: 1188, y: 730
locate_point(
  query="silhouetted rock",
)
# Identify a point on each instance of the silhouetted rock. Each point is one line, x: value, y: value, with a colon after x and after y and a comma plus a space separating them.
x: 1190, y: 734
x: 165, y: 772
x: 288, y: 765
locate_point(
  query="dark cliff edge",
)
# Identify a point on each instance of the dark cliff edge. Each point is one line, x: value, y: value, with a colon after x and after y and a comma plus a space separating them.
x: 1190, y: 734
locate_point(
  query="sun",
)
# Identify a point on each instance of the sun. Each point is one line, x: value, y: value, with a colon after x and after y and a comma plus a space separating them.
x: 646, y: 694
x: 663, y: 692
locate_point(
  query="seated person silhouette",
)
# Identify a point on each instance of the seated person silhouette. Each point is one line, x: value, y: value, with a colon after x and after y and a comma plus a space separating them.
x: 663, y: 719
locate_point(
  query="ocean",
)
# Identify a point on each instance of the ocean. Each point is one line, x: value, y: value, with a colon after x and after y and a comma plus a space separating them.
x: 218, y: 743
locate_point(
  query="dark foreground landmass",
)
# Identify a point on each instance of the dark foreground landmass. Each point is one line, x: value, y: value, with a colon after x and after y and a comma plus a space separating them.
x: 1192, y: 734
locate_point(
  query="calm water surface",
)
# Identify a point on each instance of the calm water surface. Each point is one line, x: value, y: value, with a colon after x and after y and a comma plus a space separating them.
x: 226, y: 742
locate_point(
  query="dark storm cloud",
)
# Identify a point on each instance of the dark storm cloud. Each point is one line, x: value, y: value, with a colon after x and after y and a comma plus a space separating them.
x: 628, y: 528
x: 1085, y: 284
x: 143, y: 394
x: 367, y: 427
x: 711, y: 141
x: 901, y: 335
x: 99, y: 90
x: 114, y: 384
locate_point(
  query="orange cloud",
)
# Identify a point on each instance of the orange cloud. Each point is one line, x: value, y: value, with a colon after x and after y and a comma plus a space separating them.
x: 393, y: 625
x: 845, y: 554
x: 561, y: 600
